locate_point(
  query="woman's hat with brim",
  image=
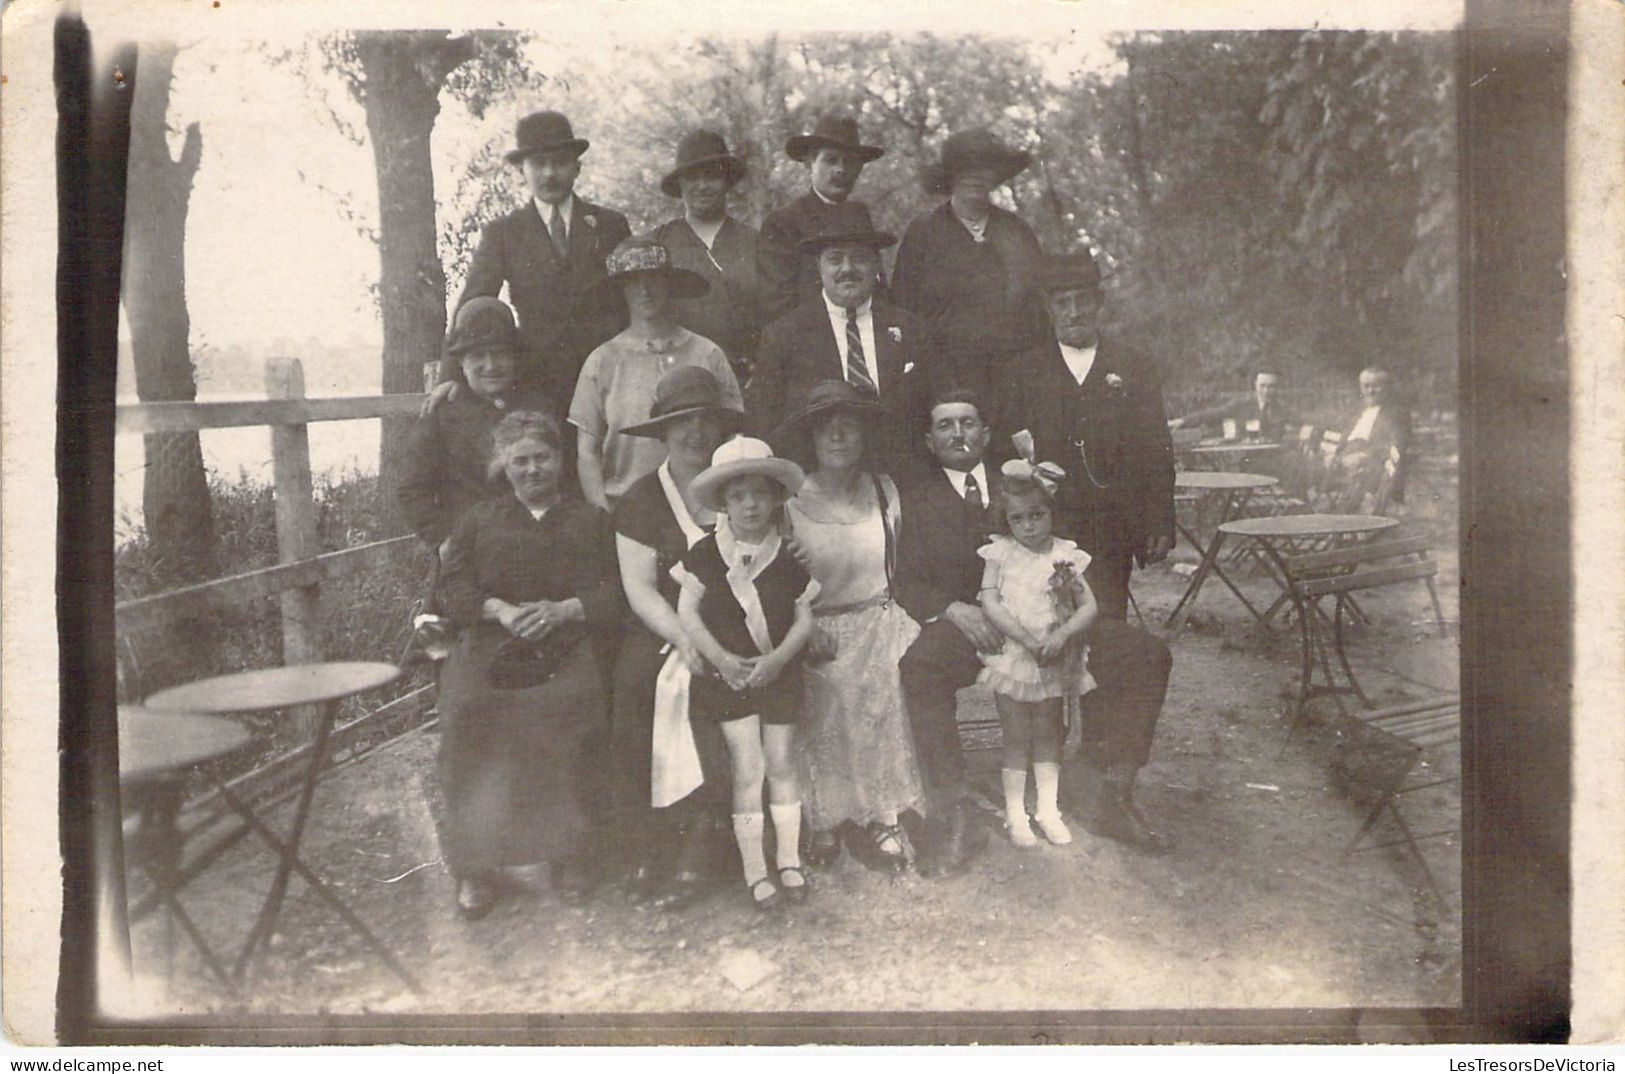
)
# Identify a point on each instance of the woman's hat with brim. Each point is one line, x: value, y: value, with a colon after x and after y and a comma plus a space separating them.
x: 834, y: 132
x: 543, y: 132
x: 968, y: 149
x: 685, y: 391
x: 702, y: 149
x: 1069, y: 272
x: 481, y: 324
x: 847, y: 222
x: 826, y: 398
x: 643, y: 254
x: 739, y: 457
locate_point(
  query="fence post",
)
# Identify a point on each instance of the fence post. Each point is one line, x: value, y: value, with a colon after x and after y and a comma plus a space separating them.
x: 296, y: 536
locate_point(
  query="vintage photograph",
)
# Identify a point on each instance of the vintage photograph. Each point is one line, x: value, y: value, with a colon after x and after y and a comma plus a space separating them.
x: 619, y: 518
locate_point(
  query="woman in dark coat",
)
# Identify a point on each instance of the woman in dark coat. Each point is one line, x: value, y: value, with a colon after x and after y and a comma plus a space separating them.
x: 448, y: 457
x: 528, y: 578
x: 969, y: 268
x: 655, y: 523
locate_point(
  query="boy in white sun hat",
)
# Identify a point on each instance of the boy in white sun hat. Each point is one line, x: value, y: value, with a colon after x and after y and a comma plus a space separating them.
x: 746, y: 605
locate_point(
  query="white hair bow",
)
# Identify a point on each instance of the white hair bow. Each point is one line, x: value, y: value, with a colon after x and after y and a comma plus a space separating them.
x: 1047, y: 474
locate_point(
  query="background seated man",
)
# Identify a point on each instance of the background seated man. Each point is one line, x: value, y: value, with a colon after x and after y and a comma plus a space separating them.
x: 1383, y: 423
x: 1261, y: 416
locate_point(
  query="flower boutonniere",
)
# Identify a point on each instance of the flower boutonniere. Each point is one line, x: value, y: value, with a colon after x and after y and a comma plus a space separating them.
x: 895, y: 333
x: 1114, y: 384
x: 591, y: 219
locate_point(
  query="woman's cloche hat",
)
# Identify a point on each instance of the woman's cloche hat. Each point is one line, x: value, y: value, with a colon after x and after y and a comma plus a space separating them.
x: 702, y: 149
x: 541, y: 132
x: 480, y: 324
x: 966, y: 149
x: 824, y: 398
x: 832, y: 131
x: 686, y: 390
x: 738, y: 457
x: 639, y: 253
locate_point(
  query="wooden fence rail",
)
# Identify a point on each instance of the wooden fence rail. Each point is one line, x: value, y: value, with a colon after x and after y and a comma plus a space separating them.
x: 301, y: 567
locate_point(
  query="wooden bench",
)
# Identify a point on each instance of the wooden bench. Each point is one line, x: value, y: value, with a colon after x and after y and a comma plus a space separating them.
x: 1339, y: 574
x: 1399, y: 737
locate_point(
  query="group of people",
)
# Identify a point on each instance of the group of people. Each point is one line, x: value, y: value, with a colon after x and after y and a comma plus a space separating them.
x: 1375, y: 437
x: 725, y: 520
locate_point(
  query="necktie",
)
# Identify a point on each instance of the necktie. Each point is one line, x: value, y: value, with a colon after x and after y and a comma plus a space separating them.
x: 561, y: 240
x: 973, y: 492
x: 857, y: 370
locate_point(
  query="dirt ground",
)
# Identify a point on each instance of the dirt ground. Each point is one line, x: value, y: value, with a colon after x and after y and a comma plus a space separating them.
x: 1256, y: 907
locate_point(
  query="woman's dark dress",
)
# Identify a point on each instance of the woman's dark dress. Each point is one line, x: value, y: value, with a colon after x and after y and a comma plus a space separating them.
x: 644, y: 516
x: 514, y: 764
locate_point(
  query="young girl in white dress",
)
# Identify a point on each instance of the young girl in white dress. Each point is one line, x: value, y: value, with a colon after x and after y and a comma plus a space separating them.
x: 1034, y: 593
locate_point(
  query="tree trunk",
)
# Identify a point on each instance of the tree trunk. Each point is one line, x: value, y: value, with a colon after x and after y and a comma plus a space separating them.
x: 175, y: 492
x: 403, y: 73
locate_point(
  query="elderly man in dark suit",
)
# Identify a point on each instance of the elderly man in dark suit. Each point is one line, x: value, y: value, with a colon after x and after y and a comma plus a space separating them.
x: 845, y: 333
x: 1095, y: 409
x: 1381, y: 428
x: 939, y: 575
x: 970, y: 268
x: 707, y: 241
x: 550, y: 253
x: 834, y: 156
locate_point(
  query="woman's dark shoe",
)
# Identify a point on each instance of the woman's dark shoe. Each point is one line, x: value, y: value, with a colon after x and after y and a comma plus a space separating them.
x: 764, y: 895
x: 642, y: 881
x: 878, y: 847
x: 572, y: 880
x: 822, y: 850
x: 475, y: 897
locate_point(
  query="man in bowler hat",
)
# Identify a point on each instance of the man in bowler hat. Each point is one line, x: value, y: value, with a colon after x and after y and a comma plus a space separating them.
x: 845, y: 333
x: 834, y: 156
x: 706, y: 240
x: 550, y: 253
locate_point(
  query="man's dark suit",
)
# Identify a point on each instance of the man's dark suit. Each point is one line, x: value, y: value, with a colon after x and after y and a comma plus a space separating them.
x: 937, y: 565
x: 1111, y: 438
x: 788, y: 273
x: 560, y: 321
x: 800, y: 350
x: 1391, y: 429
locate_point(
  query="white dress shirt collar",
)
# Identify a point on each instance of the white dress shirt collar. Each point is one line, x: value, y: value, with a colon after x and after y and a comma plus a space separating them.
x: 567, y: 207
x: 1364, y: 425
x: 957, y: 478
x: 1079, y: 360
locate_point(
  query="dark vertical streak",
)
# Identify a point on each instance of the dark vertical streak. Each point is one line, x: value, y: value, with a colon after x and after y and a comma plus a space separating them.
x: 92, y: 142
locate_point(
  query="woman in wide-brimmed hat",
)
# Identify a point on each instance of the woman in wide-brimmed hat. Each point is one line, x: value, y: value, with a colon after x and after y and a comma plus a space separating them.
x: 663, y: 838
x: 707, y: 240
x: 530, y: 580
x: 969, y: 267
x: 855, y: 748
x: 617, y: 384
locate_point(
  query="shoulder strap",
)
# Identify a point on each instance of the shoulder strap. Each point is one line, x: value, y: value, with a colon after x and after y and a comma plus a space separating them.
x: 890, y: 515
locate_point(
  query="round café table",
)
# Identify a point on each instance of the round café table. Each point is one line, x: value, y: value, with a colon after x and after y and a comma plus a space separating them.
x: 156, y: 752
x: 1232, y: 455
x: 1232, y: 490
x: 1275, y: 534
x: 275, y: 689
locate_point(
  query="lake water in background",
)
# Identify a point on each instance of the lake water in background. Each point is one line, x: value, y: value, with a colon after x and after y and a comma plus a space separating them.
x: 337, y: 449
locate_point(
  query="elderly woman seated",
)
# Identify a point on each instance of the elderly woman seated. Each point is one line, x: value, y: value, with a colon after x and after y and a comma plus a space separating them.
x: 527, y: 577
